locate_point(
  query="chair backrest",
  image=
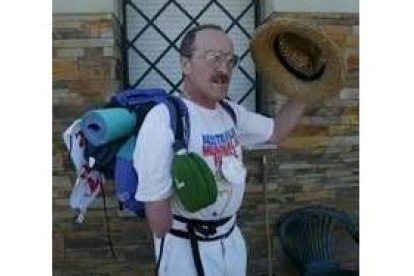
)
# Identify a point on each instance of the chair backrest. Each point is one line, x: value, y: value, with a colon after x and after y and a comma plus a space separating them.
x: 308, y: 236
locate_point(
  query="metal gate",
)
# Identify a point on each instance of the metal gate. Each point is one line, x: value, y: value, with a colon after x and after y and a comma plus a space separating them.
x: 153, y: 30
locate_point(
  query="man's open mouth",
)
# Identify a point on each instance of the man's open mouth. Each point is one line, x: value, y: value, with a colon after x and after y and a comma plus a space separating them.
x: 220, y: 79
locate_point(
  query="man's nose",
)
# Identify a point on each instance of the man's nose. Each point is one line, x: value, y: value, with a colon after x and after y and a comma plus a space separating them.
x: 225, y: 67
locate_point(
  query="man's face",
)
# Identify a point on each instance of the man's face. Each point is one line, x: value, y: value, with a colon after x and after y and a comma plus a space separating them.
x: 209, y: 69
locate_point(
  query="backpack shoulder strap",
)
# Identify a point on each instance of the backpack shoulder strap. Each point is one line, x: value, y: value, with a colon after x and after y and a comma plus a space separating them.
x: 179, y: 120
x: 227, y: 107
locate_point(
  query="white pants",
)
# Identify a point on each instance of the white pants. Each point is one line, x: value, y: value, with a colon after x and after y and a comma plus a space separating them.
x: 224, y: 257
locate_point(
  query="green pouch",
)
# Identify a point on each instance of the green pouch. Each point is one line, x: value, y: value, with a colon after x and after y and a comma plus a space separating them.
x: 193, y: 181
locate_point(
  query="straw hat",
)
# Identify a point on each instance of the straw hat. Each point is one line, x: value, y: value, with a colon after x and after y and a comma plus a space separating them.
x: 298, y: 60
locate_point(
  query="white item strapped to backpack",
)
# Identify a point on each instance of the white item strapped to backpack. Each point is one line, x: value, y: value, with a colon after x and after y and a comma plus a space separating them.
x: 88, y: 182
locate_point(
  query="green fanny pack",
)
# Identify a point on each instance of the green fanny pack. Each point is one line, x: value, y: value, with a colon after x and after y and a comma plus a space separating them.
x: 193, y: 181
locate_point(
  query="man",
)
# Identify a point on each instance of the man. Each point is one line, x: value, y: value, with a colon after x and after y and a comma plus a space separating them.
x: 207, y: 60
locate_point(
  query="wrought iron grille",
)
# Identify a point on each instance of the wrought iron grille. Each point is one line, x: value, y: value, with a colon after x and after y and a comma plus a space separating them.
x: 153, y: 31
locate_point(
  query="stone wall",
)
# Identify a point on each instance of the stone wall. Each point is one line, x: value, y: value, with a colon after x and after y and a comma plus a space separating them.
x: 318, y: 163
x: 87, y: 69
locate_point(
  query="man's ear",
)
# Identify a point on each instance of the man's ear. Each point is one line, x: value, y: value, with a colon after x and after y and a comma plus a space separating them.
x: 185, y: 65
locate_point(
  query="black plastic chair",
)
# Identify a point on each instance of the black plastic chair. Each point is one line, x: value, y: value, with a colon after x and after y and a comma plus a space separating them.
x: 308, y: 238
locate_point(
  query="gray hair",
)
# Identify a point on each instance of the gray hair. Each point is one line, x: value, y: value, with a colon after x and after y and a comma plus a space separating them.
x: 187, y: 44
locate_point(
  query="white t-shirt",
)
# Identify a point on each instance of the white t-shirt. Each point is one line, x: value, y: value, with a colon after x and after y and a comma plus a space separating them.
x: 214, y: 136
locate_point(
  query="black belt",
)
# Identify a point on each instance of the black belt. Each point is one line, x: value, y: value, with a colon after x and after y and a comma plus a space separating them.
x: 206, y: 228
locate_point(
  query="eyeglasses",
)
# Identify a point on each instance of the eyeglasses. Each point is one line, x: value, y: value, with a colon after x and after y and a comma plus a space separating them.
x: 216, y: 58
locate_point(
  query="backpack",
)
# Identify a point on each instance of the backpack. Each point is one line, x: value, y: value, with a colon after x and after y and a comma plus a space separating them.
x: 112, y: 154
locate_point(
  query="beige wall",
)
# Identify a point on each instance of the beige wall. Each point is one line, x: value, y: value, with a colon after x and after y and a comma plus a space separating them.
x: 351, y: 6
x: 342, y: 6
x: 84, y: 6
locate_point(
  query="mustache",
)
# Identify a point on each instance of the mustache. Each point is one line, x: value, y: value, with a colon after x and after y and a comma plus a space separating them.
x: 220, y: 78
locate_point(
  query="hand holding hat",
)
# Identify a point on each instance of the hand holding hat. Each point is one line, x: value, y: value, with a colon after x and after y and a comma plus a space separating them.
x: 298, y: 60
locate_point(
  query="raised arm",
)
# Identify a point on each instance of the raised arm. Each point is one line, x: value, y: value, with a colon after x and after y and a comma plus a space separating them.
x: 286, y: 120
